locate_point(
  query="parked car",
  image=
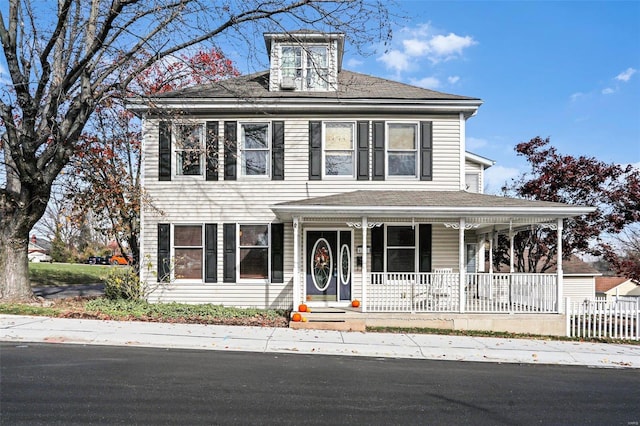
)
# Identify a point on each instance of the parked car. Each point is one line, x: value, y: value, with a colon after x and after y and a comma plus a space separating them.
x: 119, y: 259
x: 98, y: 260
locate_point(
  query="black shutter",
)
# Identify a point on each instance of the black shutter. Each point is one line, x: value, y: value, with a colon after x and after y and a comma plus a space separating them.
x: 164, y: 154
x: 363, y: 150
x: 211, y: 150
x: 377, y: 249
x: 425, y: 247
x: 426, y: 149
x: 277, y: 252
x: 164, y: 252
x: 378, y: 150
x: 210, y: 253
x: 229, y: 260
x: 230, y: 150
x: 315, y: 150
x: 277, y: 167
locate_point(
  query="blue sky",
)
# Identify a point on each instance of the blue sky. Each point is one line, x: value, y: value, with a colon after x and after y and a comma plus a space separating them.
x: 565, y: 70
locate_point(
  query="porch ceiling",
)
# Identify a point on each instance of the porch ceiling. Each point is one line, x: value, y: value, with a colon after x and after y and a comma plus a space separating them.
x: 428, y: 206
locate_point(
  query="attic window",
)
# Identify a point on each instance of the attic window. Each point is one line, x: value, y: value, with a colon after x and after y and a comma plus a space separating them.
x: 304, y: 68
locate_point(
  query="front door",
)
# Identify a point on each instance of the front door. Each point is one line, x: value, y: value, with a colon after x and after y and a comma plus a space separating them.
x: 328, y: 259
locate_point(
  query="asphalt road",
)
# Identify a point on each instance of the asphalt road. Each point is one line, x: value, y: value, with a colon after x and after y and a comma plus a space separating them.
x: 69, y: 384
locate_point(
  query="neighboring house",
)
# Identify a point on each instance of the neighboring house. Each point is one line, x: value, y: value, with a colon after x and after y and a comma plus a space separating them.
x: 38, y: 251
x: 579, y: 278
x: 308, y: 182
x: 611, y: 287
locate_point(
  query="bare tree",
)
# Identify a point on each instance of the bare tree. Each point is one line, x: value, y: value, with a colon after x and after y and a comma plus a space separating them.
x: 65, y: 58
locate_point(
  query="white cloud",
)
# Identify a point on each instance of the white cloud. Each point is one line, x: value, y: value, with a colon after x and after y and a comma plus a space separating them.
x: 425, y: 42
x: 354, y: 63
x: 427, y: 82
x: 475, y: 143
x: 451, y: 45
x: 626, y: 75
x: 453, y: 79
x: 495, y: 177
x: 396, y: 60
x: 414, y: 47
x: 577, y: 96
x: 608, y: 91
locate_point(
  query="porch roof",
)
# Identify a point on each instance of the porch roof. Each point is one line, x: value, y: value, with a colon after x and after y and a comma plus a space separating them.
x: 478, y: 208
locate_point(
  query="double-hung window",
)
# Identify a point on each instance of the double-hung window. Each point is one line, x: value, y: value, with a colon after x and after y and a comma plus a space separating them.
x: 188, y: 145
x: 255, y: 149
x: 401, y: 249
x: 339, y: 141
x: 253, y: 251
x: 188, y: 252
x: 402, y: 149
x: 304, y: 68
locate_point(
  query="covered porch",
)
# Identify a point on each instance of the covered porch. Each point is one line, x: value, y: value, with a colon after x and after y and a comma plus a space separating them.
x: 419, y: 252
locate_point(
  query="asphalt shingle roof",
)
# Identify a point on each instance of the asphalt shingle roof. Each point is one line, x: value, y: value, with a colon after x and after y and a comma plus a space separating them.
x: 351, y: 85
x: 395, y: 198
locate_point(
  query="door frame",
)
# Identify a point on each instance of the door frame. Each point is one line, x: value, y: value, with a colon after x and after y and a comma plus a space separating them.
x: 337, y: 302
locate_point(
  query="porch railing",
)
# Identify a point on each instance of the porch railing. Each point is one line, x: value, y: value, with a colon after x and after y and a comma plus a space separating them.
x: 440, y: 292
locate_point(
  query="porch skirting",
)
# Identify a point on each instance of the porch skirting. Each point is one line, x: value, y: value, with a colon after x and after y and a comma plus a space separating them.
x: 539, y: 324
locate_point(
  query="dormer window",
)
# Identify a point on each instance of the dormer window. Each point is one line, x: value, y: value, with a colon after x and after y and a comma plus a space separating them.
x: 304, y: 68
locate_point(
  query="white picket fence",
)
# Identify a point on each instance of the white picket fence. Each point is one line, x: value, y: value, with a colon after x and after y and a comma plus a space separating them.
x: 600, y: 318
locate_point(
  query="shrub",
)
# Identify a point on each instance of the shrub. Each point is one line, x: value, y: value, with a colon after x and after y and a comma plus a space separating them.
x: 123, y: 284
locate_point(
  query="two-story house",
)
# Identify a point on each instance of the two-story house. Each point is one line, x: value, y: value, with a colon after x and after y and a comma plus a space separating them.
x: 311, y: 183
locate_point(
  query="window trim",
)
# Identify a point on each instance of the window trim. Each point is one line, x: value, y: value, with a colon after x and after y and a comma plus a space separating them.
x: 242, y: 150
x: 354, y: 136
x: 176, y: 150
x: 267, y: 279
x: 304, y: 67
x: 173, y: 253
x: 416, y: 150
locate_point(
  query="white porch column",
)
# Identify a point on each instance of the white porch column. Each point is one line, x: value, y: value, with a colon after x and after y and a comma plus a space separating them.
x: 462, y: 265
x: 559, y: 268
x: 296, y: 263
x: 491, y: 252
x: 365, y: 278
x: 511, y: 237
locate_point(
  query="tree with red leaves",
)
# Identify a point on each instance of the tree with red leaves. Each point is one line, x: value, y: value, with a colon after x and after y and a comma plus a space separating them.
x: 613, y: 189
x: 105, y: 178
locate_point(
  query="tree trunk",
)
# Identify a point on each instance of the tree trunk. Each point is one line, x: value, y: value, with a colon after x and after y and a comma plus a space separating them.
x: 15, y: 285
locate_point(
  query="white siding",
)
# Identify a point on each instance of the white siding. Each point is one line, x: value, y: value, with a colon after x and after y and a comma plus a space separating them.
x: 579, y: 287
x: 193, y: 200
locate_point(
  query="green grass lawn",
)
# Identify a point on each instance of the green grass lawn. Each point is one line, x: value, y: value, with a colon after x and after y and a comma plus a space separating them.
x: 57, y: 274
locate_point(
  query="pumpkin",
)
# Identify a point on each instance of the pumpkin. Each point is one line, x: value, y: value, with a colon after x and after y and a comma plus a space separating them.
x: 296, y: 317
x: 355, y: 303
x: 302, y: 308
x: 304, y: 319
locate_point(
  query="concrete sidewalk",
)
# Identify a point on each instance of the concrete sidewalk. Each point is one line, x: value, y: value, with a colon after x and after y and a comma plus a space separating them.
x: 20, y: 329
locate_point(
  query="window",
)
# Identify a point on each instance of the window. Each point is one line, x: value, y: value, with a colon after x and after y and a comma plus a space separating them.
x: 253, y: 251
x: 401, y: 249
x: 402, y: 143
x: 339, y: 142
x: 188, y: 144
x: 188, y: 251
x: 255, y: 149
x: 304, y: 68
